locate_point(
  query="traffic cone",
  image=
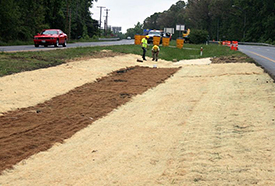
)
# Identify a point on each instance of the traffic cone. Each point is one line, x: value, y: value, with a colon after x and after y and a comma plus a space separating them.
x: 236, y: 45
x: 232, y: 47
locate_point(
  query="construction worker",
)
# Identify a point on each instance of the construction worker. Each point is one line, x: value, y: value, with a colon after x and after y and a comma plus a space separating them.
x: 155, y: 52
x: 144, y: 45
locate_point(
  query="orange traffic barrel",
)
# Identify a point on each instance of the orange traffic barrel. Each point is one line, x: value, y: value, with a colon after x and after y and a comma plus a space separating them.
x: 156, y: 40
x: 236, y: 45
x: 180, y: 43
x: 137, y: 39
x: 228, y: 43
x: 165, y: 41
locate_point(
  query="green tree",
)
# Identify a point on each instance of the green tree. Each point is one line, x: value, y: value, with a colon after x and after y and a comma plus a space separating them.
x: 9, y: 20
x: 247, y: 20
x: 22, y: 19
x: 81, y: 22
x: 167, y: 19
x: 55, y: 14
x: 137, y: 30
x: 199, y: 14
x: 152, y: 21
x: 173, y: 16
x: 198, y: 36
x: 31, y: 20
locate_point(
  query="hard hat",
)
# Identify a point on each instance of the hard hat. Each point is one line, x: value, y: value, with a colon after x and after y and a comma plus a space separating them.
x: 147, y: 36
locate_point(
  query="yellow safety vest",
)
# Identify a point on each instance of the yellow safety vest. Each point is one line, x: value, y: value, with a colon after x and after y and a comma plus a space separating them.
x: 144, y: 42
x: 155, y: 48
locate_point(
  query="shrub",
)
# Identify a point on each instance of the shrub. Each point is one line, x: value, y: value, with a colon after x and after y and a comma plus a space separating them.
x: 198, y: 36
x: 269, y: 41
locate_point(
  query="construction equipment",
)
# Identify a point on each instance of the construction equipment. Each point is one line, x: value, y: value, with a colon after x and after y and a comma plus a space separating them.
x: 185, y: 34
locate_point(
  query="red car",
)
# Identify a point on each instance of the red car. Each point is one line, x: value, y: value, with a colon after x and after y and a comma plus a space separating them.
x: 50, y: 37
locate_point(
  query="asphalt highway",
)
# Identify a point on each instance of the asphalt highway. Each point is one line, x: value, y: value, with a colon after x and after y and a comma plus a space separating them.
x: 263, y: 55
x: 73, y: 45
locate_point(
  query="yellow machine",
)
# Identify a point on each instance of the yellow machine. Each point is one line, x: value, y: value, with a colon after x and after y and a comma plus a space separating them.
x: 185, y: 34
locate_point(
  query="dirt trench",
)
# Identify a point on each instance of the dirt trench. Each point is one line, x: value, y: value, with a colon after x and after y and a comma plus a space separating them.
x: 27, y: 131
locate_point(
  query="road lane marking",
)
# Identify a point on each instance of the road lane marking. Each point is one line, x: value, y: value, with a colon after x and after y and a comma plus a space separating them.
x: 262, y: 56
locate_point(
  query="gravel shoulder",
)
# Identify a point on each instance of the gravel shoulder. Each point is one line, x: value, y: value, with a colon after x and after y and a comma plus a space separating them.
x: 207, y: 125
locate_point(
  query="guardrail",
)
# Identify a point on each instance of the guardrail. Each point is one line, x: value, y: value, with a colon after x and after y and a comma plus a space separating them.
x: 108, y: 39
x: 247, y: 43
x: 259, y: 44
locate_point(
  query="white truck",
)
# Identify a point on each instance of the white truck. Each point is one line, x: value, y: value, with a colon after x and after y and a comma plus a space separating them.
x: 153, y: 33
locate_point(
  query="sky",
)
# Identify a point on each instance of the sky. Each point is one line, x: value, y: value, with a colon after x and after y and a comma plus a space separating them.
x: 127, y: 13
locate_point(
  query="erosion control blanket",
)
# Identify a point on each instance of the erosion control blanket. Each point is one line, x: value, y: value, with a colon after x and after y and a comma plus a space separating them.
x: 198, y: 125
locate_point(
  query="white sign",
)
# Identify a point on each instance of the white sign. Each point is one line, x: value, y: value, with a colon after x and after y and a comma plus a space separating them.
x: 169, y: 30
x: 180, y: 27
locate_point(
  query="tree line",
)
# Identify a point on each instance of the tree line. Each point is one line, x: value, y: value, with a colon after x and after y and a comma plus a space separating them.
x: 241, y: 20
x: 22, y: 19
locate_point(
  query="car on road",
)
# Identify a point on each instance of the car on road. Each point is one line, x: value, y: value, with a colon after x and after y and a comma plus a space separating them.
x: 50, y: 37
x: 154, y: 33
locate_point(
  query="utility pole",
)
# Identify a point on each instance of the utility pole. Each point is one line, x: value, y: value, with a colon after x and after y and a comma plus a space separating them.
x: 69, y: 19
x: 70, y: 23
x: 244, y: 20
x: 106, y: 21
x: 218, y: 25
x: 100, y: 14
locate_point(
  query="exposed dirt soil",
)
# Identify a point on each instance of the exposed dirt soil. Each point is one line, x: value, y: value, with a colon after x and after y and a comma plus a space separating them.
x: 95, y: 55
x: 232, y: 59
x: 27, y: 131
x: 199, y: 124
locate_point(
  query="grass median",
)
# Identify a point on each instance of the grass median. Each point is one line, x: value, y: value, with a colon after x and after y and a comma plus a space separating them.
x: 25, y: 61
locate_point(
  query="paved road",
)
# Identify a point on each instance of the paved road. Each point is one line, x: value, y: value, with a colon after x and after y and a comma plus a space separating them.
x: 73, y: 45
x: 263, y: 55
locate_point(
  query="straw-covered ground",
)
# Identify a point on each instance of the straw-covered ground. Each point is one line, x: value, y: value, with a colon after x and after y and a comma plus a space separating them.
x: 114, y: 121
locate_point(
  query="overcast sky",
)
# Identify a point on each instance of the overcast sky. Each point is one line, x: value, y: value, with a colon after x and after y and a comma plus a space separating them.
x: 127, y: 13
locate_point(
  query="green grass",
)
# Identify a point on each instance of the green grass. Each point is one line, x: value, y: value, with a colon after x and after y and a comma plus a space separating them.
x: 189, y: 51
x: 25, y: 61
